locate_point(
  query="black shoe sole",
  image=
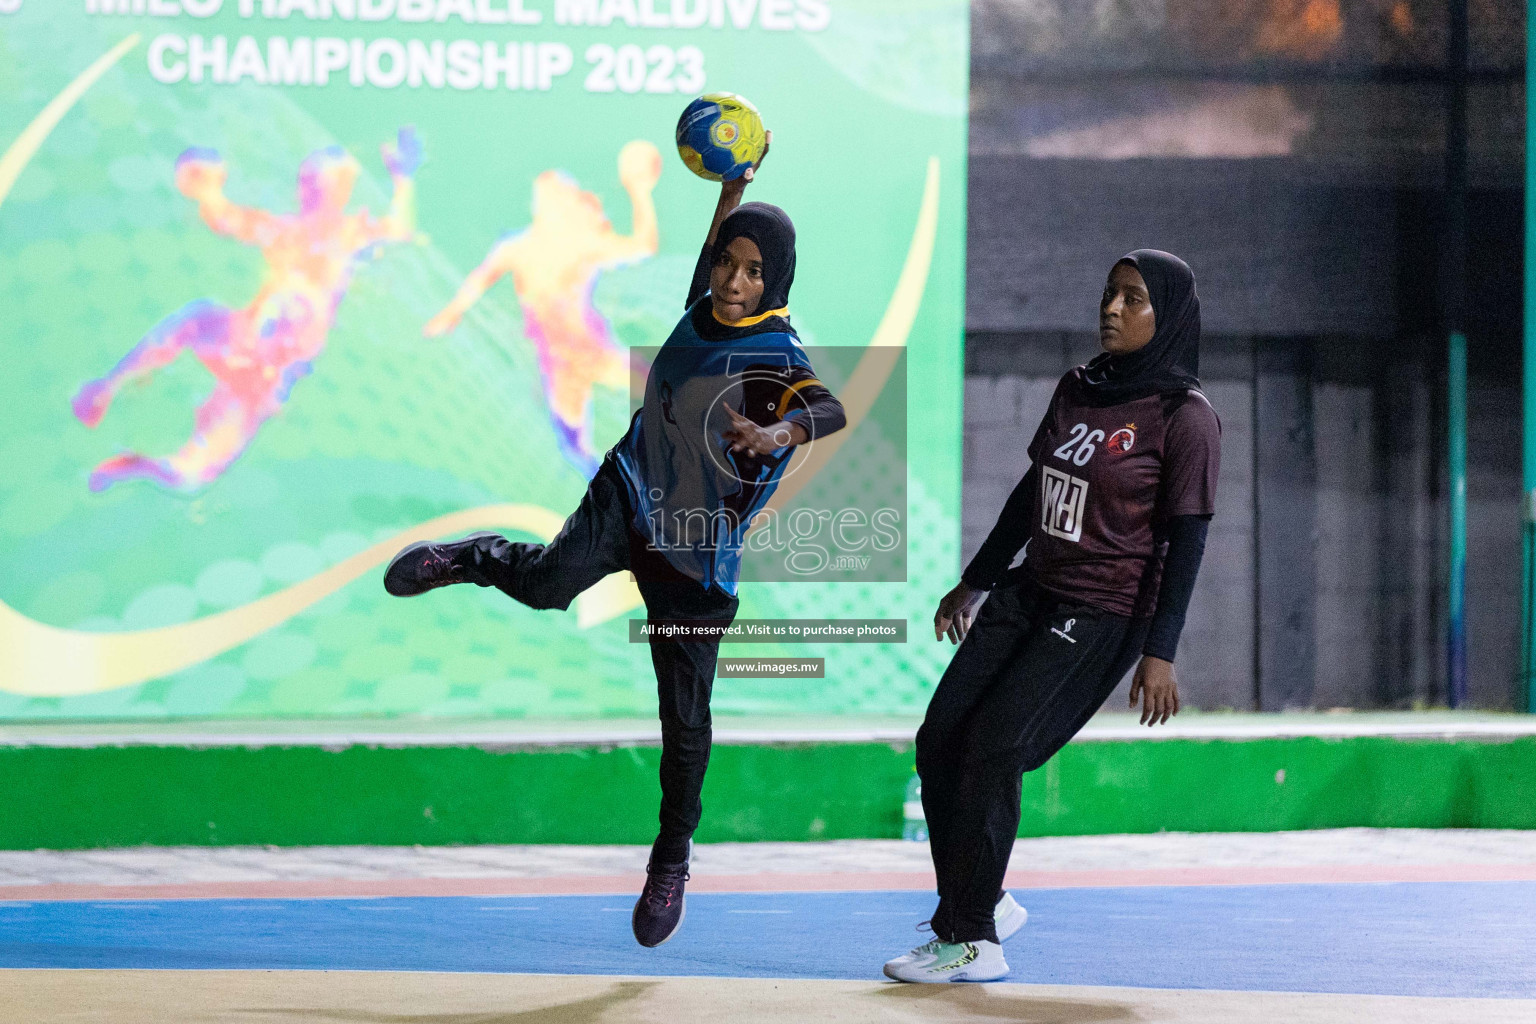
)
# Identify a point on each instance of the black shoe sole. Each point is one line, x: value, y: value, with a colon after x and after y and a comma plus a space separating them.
x: 664, y: 939
x: 395, y: 589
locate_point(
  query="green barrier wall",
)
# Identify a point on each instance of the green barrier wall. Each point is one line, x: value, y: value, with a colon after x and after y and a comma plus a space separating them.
x: 117, y: 796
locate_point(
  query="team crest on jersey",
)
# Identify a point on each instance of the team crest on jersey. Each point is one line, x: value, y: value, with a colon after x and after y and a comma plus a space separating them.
x: 1121, y: 440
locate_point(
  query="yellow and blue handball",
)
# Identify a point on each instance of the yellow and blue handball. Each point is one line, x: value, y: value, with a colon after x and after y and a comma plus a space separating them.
x: 720, y: 135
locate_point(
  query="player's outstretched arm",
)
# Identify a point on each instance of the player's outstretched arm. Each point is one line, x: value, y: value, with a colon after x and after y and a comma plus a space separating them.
x: 639, y: 170
x: 200, y: 176
x: 730, y: 198
x: 475, y: 285
x: 732, y: 191
x: 401, y: 158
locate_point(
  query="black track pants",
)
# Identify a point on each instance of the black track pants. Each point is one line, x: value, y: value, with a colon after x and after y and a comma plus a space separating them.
x: 1029, y: 674
x: 597, y: 540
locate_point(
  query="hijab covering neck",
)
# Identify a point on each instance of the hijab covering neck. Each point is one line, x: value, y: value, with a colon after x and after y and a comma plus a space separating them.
x: 1171, y: 360
x: 771, y: 230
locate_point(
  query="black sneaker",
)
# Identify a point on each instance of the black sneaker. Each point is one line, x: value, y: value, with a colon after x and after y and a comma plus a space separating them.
x: 428, y: 565
x: 661, y: 907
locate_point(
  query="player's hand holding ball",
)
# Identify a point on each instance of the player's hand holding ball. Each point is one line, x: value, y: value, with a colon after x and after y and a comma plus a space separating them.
x: 721, y: 138
x: 739, y: 185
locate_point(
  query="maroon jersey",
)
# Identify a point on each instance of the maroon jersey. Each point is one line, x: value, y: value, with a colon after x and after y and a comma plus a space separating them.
x: 1107, y: 476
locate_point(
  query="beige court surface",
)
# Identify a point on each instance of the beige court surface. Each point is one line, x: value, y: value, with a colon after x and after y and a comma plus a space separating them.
x: 351, y: 997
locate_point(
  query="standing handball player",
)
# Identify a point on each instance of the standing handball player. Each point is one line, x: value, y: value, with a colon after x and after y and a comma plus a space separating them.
x: 1112, y: 518
x: 729, y: 396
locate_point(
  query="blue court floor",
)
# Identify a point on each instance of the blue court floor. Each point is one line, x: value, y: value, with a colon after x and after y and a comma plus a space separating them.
x: 1463, y: 939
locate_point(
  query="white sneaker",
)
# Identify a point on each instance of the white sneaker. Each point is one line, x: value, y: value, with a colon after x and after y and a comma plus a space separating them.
x: 939, y: 961
x: 1008, y: 917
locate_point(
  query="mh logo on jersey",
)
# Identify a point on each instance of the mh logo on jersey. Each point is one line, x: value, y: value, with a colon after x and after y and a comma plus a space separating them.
x: 1062, y: 499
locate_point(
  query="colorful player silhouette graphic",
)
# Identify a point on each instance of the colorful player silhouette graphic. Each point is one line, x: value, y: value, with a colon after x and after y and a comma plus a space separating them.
x: 256, y: 354
x: 555, y: 263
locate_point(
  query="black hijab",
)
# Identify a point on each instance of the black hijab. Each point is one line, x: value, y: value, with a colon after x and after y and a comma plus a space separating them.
x: 1171, y: 360
x: 771, y: 230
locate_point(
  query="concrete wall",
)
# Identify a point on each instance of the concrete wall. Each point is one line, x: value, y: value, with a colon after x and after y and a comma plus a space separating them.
x: 1323, y: 579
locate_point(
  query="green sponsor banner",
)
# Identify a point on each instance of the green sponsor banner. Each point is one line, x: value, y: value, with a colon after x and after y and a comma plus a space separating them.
x: 288, y: 284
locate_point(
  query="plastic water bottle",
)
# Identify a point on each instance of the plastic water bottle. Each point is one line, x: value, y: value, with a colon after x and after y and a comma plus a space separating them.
x: 913, y: 825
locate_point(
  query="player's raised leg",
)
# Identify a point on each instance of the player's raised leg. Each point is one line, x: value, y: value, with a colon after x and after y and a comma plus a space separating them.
x: 225, y: 426
x: 593, y: 543
x: 165, y: 341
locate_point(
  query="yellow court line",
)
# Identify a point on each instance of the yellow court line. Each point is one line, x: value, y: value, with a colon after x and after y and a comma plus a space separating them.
x: 20, y: 152
x: 39, y: 660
